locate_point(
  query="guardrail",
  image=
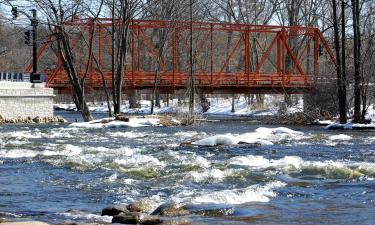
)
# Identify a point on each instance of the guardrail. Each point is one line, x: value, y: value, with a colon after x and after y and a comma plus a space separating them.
x: 14, y: 77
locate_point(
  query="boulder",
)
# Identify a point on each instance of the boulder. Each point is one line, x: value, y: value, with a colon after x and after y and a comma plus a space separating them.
x: 122, y: 118
x: 37, y: 120
x: 114, y: 210
x: 171, y: 209
x: 212, y: 210
x: 127, y: 218
x: 151, y: 220
x: 144, y: 205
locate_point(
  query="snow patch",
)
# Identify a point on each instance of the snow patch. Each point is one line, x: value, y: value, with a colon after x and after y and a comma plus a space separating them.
x: 258, y: 137
x: 111, y: 123
x: 217, y: 140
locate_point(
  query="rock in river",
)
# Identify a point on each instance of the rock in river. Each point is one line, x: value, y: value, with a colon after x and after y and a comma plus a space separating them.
x: 114, y: 210
x: 170, y: 209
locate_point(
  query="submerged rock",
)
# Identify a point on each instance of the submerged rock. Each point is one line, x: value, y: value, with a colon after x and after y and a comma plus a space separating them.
x: 144, y: 205
x: 114, y: 210
x: 136, y: 218
x: 212, y: 210
x: 126, y: 218
x: 171, y: 209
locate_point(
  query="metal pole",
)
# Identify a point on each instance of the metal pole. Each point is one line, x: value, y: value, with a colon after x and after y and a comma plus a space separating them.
x: 34, y: 24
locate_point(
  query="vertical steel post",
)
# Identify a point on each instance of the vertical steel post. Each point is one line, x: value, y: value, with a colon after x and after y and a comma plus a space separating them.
x: 212, y: 52
x: 100, y: 46
x: 283, y: 40
x: 316, y: 54
x: 132, y: 52
x: 34, y: 24
x: 247, y: 56
x: 138, y: 49
x: 174, y: 55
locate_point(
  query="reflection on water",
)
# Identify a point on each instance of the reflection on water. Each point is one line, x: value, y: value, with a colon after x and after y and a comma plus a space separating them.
x: 47, y: 170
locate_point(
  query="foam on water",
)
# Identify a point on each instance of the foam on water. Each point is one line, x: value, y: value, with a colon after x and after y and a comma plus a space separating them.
x: 138, y: 159
x: 208, y: 175
x: 76, y: 215
x: 190, y: 159
x: 340, y: 137
x: 128, y: 134
x: 24, y: 134
x: 254, y: 193
x: 328, y: 168
x: 17, y: 153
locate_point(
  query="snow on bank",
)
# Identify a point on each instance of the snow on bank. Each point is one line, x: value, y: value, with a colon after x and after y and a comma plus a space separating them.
x: 112, y: 123
x: 261, y: 136
x: 350, y: 126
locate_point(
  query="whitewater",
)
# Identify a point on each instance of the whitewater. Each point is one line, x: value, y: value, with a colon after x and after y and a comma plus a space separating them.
x: 269, y: 174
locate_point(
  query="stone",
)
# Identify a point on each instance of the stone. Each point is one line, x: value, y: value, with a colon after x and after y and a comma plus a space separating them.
x: 68, y: 223
x: 37, y: 120
x: 212, y: 210
x: 144, y: 205
x: 151, y: 220
x: 126, y: 218
x: 122, y: 118
x: 171, y: 209
x: 61, y: 120
x: 114, y: 210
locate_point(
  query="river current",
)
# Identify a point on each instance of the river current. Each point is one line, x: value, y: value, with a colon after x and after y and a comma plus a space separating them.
x: 56, y: 173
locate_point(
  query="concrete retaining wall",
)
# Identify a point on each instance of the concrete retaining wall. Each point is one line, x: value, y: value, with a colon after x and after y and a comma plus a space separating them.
x: 21, y: 99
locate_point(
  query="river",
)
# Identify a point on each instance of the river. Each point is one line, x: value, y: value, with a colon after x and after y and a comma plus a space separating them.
x: 56, y: 173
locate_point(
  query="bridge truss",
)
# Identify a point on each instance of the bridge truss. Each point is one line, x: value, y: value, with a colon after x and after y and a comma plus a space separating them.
x: 240, y: 58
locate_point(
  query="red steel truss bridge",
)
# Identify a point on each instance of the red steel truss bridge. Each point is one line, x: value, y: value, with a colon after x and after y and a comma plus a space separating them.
x: 239, y: 58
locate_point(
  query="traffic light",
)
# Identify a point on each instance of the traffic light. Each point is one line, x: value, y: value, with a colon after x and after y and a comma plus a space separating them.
x: 320, y: 50
x: 14, y: 12
x: 27, y: 37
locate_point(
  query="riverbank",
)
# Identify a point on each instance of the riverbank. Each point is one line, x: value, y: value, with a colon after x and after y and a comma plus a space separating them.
x: 31, y: 120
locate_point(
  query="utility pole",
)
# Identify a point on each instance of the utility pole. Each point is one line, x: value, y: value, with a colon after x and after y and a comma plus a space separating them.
x: 34, y: 25
x: 34, y: 76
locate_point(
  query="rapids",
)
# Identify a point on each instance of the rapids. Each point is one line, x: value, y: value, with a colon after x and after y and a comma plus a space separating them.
x: 287, y: 175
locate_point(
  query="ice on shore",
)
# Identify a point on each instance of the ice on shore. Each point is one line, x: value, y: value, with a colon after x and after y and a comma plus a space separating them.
x: 112, y: 123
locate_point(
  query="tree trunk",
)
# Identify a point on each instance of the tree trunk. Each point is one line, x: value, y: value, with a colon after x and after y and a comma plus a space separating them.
x: 340, y: 80
x: 357, y: 58
x: 133, y: 99
x: 78, y: 94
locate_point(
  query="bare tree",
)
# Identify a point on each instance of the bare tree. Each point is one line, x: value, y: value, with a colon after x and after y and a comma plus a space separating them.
x: 58, y: 14
x: 122, y: 12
